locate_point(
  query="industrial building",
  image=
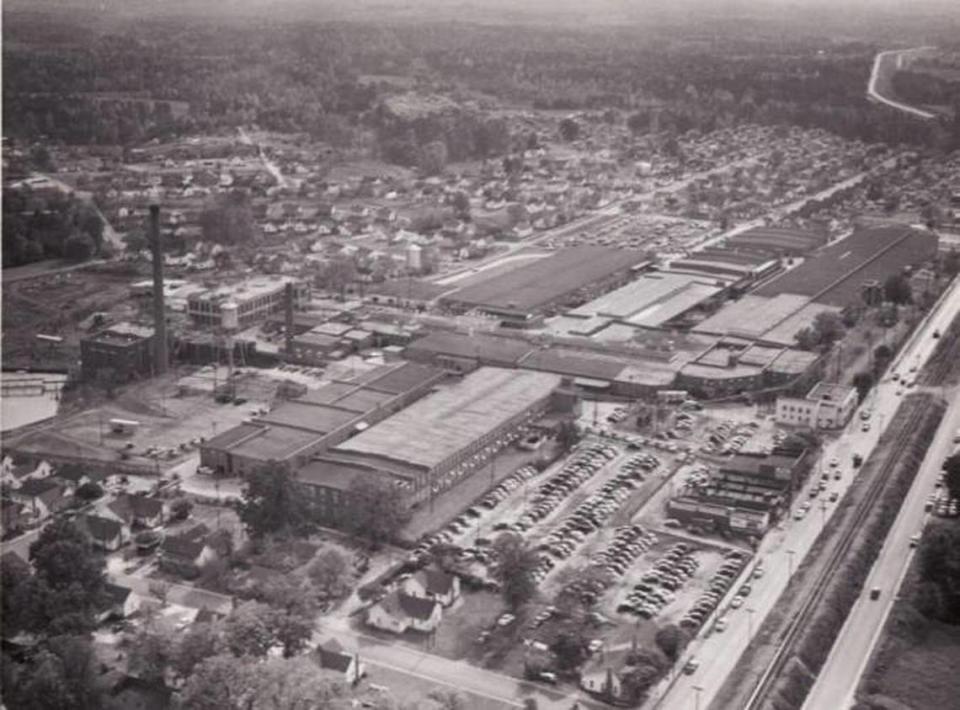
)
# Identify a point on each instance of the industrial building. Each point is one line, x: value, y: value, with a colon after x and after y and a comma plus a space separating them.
x: 430, y: 445
x: 651, y: 301
x: 255, y: 299
x: 836, y: 274
x: 778, y: 241
x: 123, y: 349
x: 826, y: 406
x: 745, y: 496
x: 565, y: 278
x: 736, y: 365
x: 294, y: 431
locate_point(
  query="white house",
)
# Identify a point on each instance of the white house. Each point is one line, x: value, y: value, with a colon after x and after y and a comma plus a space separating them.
x: 826, y: 406
x: 121, y: 603
x: 398, y: 612
x: 433, y: 584
x: 14, y: 474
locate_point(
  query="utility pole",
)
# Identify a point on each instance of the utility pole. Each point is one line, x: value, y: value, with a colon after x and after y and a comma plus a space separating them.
x: 790, y: 554
x: 696, y: 698
x: 750, y: 613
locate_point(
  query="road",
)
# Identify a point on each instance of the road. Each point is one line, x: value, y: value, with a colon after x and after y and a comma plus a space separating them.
x: 271, y: 167
x: 881, y: 63
x: 444, y: 671
x: 782, y: 551
x: 838, y: 679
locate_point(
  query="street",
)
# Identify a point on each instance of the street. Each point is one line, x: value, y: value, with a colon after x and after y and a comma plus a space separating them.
x: 873, y: 92
x: 839, y: 677
x: 782, y: 551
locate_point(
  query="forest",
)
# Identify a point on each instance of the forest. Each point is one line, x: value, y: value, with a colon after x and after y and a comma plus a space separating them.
x: 163, y: 77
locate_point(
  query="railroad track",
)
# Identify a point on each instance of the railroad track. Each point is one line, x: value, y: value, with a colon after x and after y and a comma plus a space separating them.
x: 801, y: 619
x: 945, y: 356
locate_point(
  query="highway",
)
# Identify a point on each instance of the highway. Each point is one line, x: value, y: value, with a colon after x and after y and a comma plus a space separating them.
x: 880, y: 62
x: 782, y: 550
x: 838, y: 679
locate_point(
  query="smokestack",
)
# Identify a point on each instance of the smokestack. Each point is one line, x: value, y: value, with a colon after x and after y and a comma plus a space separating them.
x: 159, y: 311
x: 288, y: 321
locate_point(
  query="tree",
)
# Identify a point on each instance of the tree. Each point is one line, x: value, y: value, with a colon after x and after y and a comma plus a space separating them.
x: 570, y: 649
x: 433, y: 157
x: 863, y: 381
x: 247, y: 631
x: 135, y: 242
x: 330, y: 574
x: 378, y: 512
x: 951, y: 262
x: 198, y: 642
x: 228, y: 219
x: 569, y: 129
x: 338, y: 274
x: 951, y: 468
x: 896, y: 289
x: 78, y: 247
x: 180, y: 509
x: 271, y: 502
x: 671, y: 639
x: 461, y: 205
x: 151, y: 654
x: 291, y: 613
x: 68, y: 587
x: 89, y: 491
x: 217, y: 683
x: 826, y: 329
x: 62, y: 674
x: 514, y: 567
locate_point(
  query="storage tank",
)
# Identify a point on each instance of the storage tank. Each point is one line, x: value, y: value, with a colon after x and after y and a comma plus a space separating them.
x: 229, y: 316
x: 414, y: 257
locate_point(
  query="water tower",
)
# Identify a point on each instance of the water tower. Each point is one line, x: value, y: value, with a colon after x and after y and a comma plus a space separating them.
x: 415, y: 258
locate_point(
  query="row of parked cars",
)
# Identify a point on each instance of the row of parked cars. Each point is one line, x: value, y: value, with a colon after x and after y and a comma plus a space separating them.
x: 628, y: 543
x: 658, y: 585
x: 590, y: 515
x: 704, y: 606
x: 729, y: 437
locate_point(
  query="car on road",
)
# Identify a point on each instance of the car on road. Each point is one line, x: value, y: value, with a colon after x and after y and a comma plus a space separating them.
x: 720, y: 624
x: 915, y: 540
x: 548, y: 677
x: 834, y: 462
x: 691, y: 666
x: 834, y: 496
x: 875, y: 593
x: 936, y: 334
x: 865, y: 426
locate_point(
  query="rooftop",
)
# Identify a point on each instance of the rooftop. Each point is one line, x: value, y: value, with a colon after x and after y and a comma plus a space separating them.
x: 244, y: 290
x: 429, y: 431
x: 538, y: 283
x: 829, y: 392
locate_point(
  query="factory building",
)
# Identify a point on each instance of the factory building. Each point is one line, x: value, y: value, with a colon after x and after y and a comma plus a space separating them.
x: 294, y: 431
x: 255, y: 300
x: 432, y: 444
x: 123, y: 349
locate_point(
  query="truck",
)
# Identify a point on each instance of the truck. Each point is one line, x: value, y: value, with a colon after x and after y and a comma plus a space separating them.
x: 857, y: 460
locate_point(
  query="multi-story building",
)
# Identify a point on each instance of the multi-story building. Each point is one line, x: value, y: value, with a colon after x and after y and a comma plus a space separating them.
x: 255, y: 299
x: 124, y: 349
x: 826, y: 406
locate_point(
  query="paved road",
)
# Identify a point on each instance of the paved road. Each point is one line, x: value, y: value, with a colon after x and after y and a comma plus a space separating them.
x: 838, y: 679
x: 782, y: 551
x: 882, y: 63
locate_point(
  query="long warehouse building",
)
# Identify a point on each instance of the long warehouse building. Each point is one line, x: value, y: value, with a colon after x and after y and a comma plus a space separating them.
x: 434, y: 442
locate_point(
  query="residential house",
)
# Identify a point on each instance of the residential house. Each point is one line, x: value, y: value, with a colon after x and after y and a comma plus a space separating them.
x: 72, y: 477
x: 346, y: 666
x: 398, y: 612
x: 602, y: 676
x: 188, y: 553
x: 13, y: 516
x: 13, y: 473
x: 106, y: 533
x: 41, y: 497
x: 137, y: 510
x: 120, y: 602
x: 433, y: 584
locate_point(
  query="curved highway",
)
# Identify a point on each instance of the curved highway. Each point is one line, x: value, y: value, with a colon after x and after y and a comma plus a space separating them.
x: 880, y: 65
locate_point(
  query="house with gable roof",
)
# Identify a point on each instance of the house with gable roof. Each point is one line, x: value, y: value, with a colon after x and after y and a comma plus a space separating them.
x: 433, y: 584
x: 397, y: 612
x: 347, y: 666
x: 137, y: 510
x: 108, y: 534
x: 41, y: 497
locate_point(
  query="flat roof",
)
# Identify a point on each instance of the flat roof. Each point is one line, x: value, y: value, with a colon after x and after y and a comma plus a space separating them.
x: 651, y: 299
x: 829, y: 392
x: 543, y: 281
x: 835, y: 274
x: 506, y: 351
x: 752, y: 315
x: 244, y: 290
x: 321, y: 419
x: 436, y: 427
x: 275, y: 443
x: 576, y: 363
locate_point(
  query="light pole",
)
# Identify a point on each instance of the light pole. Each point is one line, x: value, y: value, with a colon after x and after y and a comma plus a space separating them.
x: 823, y: 514
x: 696, y: 697
x: 790, y: 554
x: 750, y: 613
